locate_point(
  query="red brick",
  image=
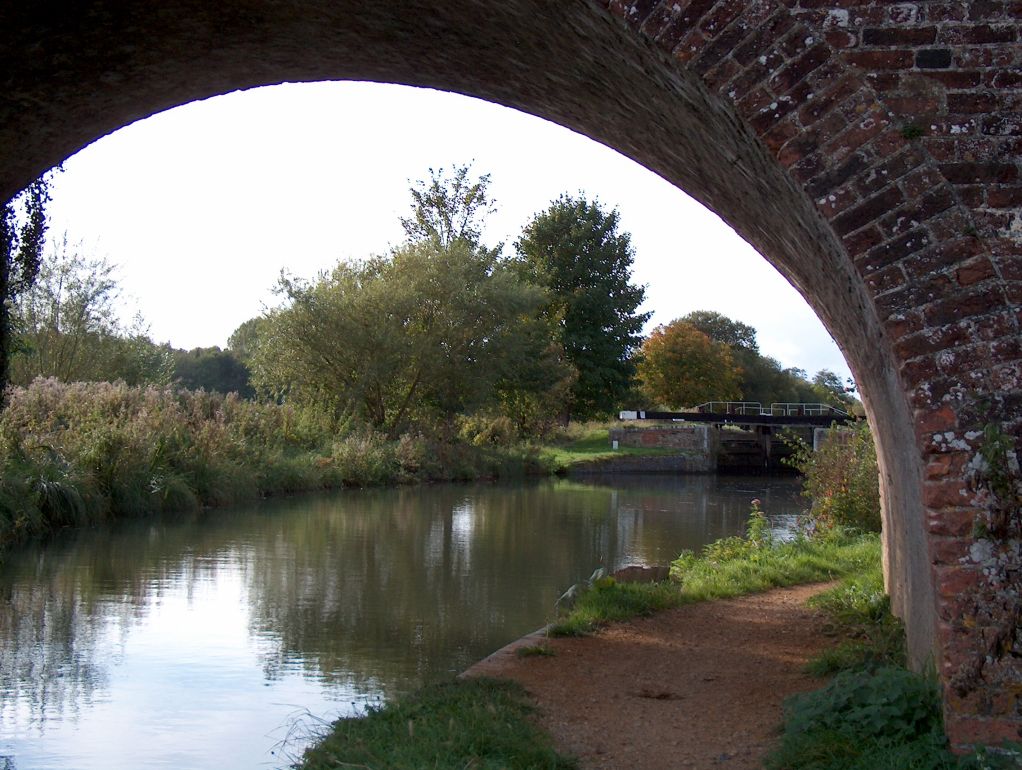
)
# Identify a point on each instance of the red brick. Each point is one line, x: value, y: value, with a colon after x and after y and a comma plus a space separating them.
x: 978, y: 34
x: 831, y: 98
x: 885, y: 280
x: 954, y: 522
x: 975, y: 272
x: 941, y: 466
x: 764, y: 39
x: 983, y: 173
x: 840, y: 38
x: 858, y: 134
x: 863, y: 240
x: 953, y: 581
x: 784, y: 80
x: 949, y: 551
x: 880, y: 60
x: 868, y: 211
x: 920, y: 181
x: 967, y: 104
x: 896, y: 37
x: 897, y: 328
x: 936, y: 420
x: 916, y: 372
x: 965, y: 731
x: 956, y: 78
x: 632, y: 11
x: 1005, y: 197
x: 947, y: 494
x: 912, y: 105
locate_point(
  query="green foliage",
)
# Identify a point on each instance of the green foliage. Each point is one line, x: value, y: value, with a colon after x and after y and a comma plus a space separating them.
x: 72, y: 454
x: 841, y: 478
x: 21, y: 248
x: 587, y: 443
x: 69, y: 326
x: 608, y: 601
x: 212, y: 369
x: 887, y: 704
x: 720, y: 328
x: 889, y: 718
x: 536, y: 651
x: 859, y: 612
x: 575, y: 251
x: 474, y: 723
x: 733, y: 571
x: 424, y: 333
x: 682, y: 367
x: 447, y: 210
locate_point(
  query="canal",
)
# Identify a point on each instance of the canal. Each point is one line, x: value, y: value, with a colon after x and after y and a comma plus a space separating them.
x: 217, y: 639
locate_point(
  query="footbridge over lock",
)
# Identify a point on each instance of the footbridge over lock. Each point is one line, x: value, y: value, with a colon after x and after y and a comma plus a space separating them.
x: 869, y: 150
x: 738, y: 435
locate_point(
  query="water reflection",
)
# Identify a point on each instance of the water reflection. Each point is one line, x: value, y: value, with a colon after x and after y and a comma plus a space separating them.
x: 185, y: 641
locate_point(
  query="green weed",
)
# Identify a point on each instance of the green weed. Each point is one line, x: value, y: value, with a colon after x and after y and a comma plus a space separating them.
x: 477, y: 723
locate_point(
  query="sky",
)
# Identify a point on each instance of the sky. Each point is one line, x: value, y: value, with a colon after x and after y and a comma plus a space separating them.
x: 202, y: 206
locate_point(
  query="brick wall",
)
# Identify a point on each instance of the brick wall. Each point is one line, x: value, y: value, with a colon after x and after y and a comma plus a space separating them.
x: 903, y: 122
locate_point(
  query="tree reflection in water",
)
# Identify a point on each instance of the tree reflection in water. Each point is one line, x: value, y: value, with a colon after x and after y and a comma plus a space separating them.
x: 362, y: 592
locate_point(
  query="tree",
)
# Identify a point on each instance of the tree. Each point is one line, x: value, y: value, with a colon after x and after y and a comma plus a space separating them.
x: 69, y: 327
x: 426, y: 331
x: 212, y: 369
x: 21, y: 249
x: 449, y: 210
x: 719, y: 327
x: 682, y: 367
x: 575, y: 251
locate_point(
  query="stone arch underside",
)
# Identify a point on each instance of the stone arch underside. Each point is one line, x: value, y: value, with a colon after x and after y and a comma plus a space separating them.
x: 788, y: 119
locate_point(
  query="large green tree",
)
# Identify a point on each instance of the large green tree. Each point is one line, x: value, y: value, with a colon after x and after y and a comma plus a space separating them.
x: 426, y: 331
x: 21, y: 249
x: 574, y: 250
x: 720, y: 328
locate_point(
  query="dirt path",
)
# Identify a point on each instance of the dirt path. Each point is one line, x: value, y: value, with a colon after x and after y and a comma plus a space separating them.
x: 696, y: 687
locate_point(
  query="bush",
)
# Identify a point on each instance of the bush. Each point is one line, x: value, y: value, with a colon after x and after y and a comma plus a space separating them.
x: 841, y: 478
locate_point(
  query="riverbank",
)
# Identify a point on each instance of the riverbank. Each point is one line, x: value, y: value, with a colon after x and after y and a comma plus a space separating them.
x: 73, y: 455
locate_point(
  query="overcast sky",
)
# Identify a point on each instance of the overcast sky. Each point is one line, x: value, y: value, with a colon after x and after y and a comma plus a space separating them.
x: 202, y: 206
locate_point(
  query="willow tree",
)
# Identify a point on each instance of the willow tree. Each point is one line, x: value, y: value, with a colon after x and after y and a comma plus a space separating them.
x: 426, y: 331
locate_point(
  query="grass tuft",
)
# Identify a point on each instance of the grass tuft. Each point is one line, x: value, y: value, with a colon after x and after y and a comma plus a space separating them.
x: 482, y: 724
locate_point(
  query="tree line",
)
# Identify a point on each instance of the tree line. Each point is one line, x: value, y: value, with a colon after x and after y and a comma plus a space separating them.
x: 437, y: 328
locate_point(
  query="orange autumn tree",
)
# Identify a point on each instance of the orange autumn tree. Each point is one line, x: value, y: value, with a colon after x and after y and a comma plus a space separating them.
x: 681, y: 367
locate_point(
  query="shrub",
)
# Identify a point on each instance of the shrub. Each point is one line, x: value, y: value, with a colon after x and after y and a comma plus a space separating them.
x: 841, y: 478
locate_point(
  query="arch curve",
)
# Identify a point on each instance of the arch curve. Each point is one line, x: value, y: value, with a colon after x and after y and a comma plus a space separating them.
x: 788, y: 119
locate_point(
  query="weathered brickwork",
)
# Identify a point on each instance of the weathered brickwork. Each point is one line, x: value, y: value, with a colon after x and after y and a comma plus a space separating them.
x: 695, y: 438
x: 904, y: 122
x: 871, y: 151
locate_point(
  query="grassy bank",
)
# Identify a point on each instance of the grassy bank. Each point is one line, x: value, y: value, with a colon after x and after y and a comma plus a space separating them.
x: 480, y: 723
x: 590, y: 443
x: 72, y: 455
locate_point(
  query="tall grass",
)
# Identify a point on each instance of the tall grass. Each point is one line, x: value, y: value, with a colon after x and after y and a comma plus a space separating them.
x: 73, y: 454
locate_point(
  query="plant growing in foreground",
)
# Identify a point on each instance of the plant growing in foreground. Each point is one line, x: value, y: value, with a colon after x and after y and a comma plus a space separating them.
x: 474, y: 723
x: 841, y: 478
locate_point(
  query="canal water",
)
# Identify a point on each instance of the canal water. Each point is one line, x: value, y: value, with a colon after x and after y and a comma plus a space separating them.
x: 219, y: 639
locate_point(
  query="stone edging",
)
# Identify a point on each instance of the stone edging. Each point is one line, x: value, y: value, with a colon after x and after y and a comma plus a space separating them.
x: 494, y: 663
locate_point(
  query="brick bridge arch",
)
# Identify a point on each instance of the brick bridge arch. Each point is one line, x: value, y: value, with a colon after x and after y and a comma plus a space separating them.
x: 870, y: 151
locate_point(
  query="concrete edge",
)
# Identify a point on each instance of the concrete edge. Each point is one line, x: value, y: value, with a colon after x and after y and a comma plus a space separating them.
x: 494, y: 663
